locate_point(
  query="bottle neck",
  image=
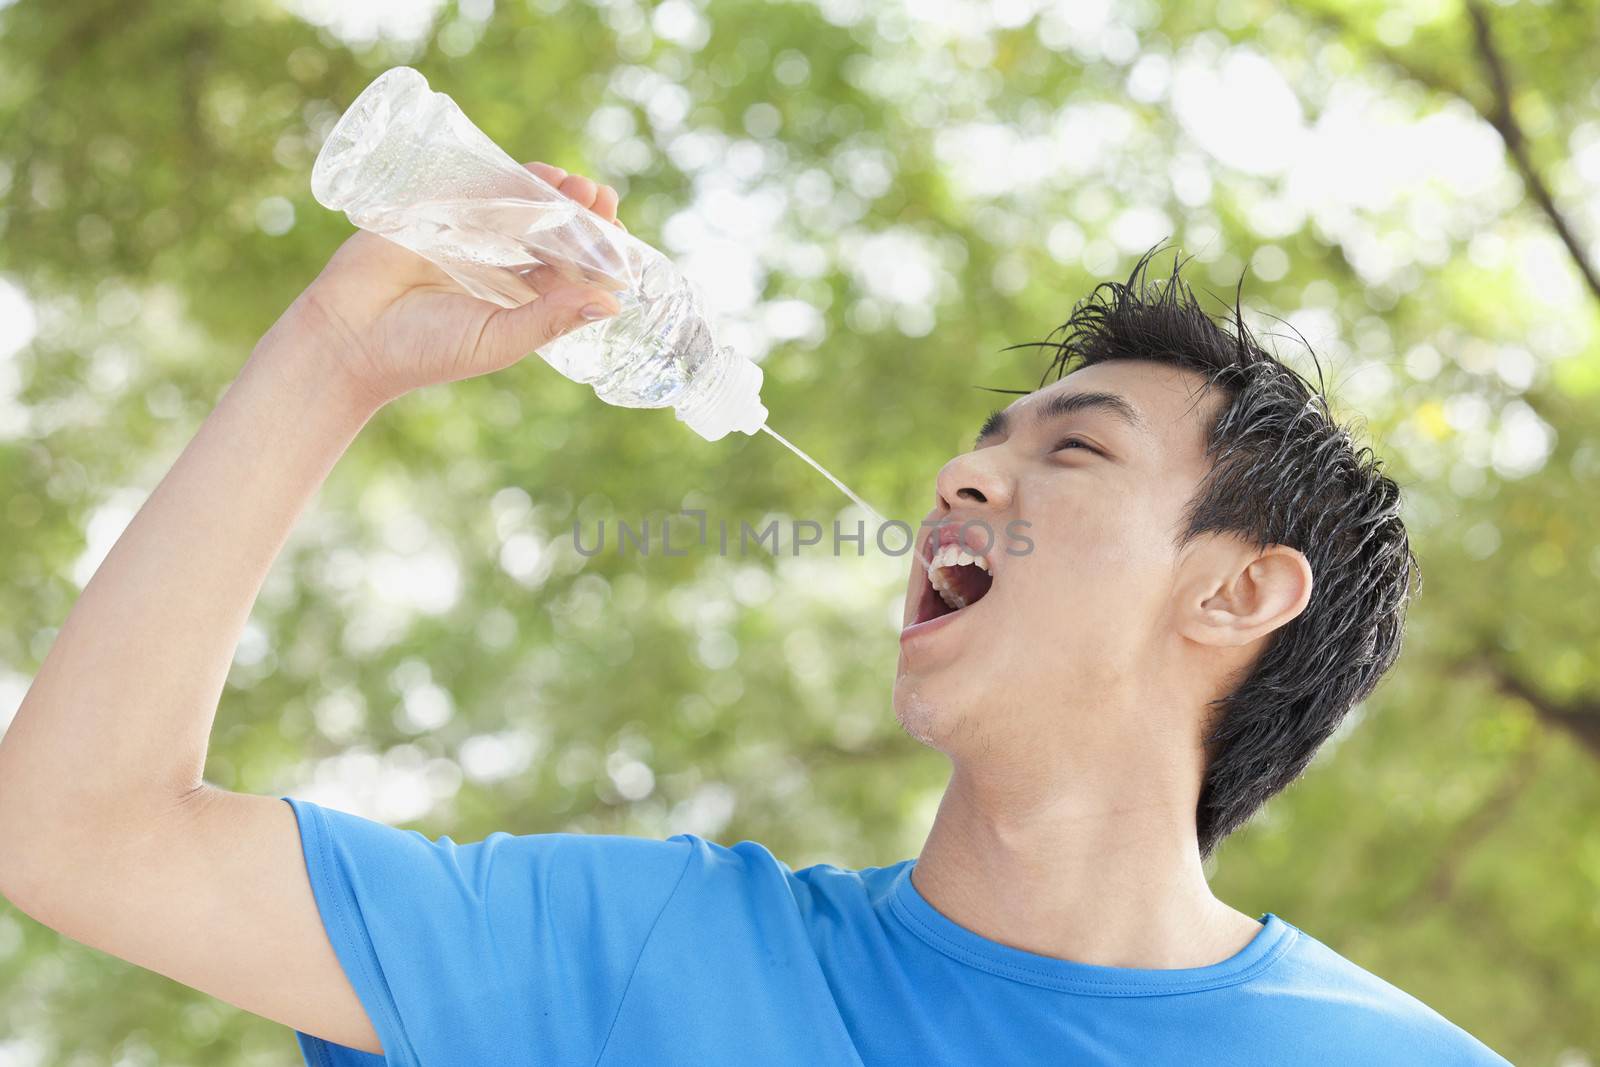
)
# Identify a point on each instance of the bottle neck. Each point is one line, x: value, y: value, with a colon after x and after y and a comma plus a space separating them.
x: 725, y: 398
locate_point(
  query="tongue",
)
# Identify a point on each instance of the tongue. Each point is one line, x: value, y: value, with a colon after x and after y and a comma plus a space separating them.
x: 969, y: 580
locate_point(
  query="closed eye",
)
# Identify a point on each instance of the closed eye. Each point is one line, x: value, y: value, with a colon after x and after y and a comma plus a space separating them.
x: 1078, y: 442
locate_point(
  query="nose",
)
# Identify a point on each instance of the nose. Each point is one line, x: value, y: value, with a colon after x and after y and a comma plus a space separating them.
x: 975, y: 477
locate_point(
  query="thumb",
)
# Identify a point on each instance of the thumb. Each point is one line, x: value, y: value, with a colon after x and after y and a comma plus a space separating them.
x: 514, y: 332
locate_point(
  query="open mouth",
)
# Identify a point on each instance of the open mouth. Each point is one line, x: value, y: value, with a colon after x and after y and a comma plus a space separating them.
x: 956, y: 580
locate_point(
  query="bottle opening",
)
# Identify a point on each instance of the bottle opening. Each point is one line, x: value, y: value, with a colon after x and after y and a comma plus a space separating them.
x: 731, y: 403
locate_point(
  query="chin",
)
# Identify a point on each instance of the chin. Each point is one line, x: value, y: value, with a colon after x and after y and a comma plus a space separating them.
x: 918, y: 717
x: 928, y: 720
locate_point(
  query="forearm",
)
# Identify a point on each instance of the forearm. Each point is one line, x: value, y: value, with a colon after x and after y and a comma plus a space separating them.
x: 119, y: 714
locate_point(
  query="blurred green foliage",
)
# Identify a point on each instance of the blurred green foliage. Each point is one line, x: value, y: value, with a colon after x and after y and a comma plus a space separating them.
x: 903, y: 191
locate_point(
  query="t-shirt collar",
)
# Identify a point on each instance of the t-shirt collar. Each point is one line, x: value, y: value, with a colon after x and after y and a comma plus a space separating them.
x: 956, y: 941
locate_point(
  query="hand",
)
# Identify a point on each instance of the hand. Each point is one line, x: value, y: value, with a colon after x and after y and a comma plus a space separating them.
x: 390, y: 321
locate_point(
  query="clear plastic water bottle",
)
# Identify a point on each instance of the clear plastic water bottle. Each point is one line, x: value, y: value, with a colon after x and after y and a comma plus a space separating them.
x: 406, y: 163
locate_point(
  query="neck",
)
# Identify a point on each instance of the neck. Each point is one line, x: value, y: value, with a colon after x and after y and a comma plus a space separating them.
x: 1090, y: 874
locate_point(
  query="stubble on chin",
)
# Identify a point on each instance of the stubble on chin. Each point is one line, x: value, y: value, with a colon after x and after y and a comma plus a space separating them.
x: 918, y: 717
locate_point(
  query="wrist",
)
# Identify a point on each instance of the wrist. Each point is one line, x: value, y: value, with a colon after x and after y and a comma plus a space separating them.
x: 303, y: 363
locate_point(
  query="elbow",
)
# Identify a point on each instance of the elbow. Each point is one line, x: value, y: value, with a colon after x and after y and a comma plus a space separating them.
x: 47, y: 866
x: 36, y: 836
x: 59, y: 851
x: 13, y: 850
x: 20, y: 859
x: 60, y: 832
x: 41, y: 822
x: 15, y: 888
x: 20, y: 877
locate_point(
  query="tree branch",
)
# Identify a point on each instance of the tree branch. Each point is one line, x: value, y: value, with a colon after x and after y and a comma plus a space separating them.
x: 1497, y: 114
x: 1505, y: 123
x: 1406, y: 67
x: 1580, y: 719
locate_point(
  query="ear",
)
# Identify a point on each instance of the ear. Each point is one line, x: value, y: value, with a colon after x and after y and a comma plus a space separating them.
x: 1238, y: 593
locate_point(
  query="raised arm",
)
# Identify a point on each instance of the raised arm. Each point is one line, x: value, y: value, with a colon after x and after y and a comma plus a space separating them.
x: 107, y: 831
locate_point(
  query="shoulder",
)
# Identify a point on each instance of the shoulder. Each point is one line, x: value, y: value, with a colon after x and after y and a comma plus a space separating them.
x: 749, y: 871
x: 1343, y: 1005
x: 753, y: 863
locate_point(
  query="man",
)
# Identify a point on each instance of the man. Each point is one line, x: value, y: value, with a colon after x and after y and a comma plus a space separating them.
x: 1213, y: 574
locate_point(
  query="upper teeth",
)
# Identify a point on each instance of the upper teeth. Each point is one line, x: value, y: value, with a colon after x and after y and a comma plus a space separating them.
x: 951, y: 556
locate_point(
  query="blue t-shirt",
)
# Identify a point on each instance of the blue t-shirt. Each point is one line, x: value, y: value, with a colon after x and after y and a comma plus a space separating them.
x: 598, y: 950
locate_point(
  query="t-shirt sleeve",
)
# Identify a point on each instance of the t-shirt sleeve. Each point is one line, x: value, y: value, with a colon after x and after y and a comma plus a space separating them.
x: 510, y: 949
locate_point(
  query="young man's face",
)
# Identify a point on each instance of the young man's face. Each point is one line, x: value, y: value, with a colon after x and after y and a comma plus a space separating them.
x: 1081, y: 622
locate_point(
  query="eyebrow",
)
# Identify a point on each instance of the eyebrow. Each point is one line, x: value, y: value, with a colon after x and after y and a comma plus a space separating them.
x: 1062, y: 404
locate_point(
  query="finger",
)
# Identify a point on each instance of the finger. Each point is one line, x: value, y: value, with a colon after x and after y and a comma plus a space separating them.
x: 605, y: 200
x: 513, y: 333
x: 542, y: 278
x: 580, y: 189
x: 605, y: 204
x: 547, y: 173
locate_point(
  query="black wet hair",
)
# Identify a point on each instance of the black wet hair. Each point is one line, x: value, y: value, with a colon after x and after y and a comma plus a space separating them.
x: 1282, y: 472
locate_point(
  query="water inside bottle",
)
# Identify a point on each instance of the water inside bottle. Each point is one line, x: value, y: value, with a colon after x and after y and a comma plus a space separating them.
x: 845, y: 489
x: 507, y: 250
